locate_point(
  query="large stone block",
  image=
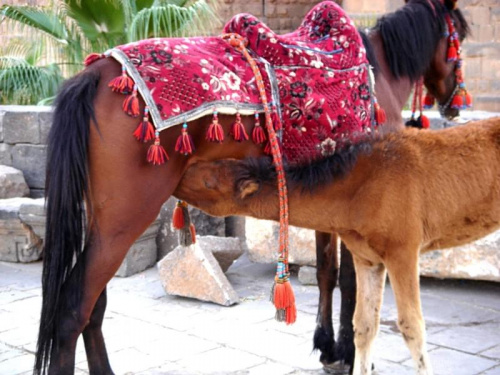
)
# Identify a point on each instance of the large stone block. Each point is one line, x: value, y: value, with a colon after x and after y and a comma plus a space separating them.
x: 45, y: 122
x: 192, y: 271
x: 18, y: 242
x: 21, y: 126
x: 31, y: 159
x: 167, y: 239
x: 12, y: 183
x: 479, y: 260
x: 225, y: 249
x: 32, y: 214
x: 143, y: 253
x: 5, y: 154
x: 262, y: 241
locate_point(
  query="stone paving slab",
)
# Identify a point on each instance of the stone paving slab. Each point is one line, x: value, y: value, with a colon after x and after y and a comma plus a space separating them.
x: 150, y: 333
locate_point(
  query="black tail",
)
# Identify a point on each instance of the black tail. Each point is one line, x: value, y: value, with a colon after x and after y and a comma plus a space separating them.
x: 65, y: 189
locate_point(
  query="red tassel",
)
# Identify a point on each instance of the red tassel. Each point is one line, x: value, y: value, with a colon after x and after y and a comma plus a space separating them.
x: 238, y: 130
x: 184, y: 144
x: 424, y: 121
x: 192, y: 230
x: 457, y: 102
x: 276, y: 119
x: 428, y: 101
x: 156, y: 153
x: 145, y: 131
x: 131, y: 104
x: 215, y: 132
x: 258, y: 134
x: 452, y: 53
x: 268, y: 149
x: 178, y: 221
x: 122, y: 84
x: 93, y: 57
x: 468, y: 100
x: 284, y: 301
x: 380, y: 116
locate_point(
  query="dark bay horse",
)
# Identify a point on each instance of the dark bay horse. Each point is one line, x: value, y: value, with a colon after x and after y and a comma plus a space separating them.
x: 397, y: 196
x: 403, y: 46
x: 103, y: 194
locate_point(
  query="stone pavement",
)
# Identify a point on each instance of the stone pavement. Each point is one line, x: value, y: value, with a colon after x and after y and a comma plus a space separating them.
x: 150, y: 333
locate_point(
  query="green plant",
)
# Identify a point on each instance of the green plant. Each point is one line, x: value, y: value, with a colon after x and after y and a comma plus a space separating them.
x: 65, y: 31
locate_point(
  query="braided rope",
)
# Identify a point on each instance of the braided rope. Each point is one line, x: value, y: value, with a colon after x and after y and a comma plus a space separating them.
x: 237, y: 41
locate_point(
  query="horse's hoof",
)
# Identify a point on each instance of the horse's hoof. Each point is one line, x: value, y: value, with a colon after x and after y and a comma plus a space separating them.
x: 337, y: 368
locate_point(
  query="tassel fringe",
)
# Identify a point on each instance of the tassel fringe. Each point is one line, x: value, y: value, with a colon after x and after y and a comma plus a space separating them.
x: 184, y: 144
x: 93, y: 57
x: 131, y: 104
x: 156, y: 153
x: 122, y: 84
x: 258, y: 134
x: 145, y: 131
x: 178, y: 220
x: 380, y: 116
x: 215, y: 132
x: 238, y: 130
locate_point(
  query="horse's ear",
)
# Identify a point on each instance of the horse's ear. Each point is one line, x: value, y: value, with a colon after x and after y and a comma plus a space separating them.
x: 247, y: 188
x: 450, y: 4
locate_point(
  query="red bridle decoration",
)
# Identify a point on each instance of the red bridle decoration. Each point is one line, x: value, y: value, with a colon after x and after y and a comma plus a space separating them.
x: 422, y: 122
x: 460, y: 99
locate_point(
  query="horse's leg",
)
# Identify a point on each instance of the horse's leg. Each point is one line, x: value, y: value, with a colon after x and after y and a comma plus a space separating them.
x: 404, y: 277
x: 370, y: 282
x: 95, y: 348
x: 347, y: 283
x: 326, y: 274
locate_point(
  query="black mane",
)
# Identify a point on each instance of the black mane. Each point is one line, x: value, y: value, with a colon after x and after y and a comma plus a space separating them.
x: 309, y: 176
x: 410, y: 35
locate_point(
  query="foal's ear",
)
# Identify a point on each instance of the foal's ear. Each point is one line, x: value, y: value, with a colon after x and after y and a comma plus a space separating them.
x: 247, y: 188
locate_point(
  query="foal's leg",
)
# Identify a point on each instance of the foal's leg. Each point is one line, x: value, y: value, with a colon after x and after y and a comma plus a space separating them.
x: 404, y: 277
x: 326, y: 274
x: 370, y: 282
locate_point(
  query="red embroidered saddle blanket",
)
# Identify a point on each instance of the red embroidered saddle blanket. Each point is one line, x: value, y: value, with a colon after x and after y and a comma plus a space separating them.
x: 317, y: 77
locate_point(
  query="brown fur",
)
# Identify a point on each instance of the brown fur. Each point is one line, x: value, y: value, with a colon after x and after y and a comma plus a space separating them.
x: 416, y: 191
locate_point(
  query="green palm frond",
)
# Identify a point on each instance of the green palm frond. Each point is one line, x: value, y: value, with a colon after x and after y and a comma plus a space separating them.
x: 22, y: 83
x: 39, y: 19
x: 169, y: 20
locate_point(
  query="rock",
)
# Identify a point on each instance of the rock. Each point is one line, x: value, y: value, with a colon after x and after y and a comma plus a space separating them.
x: 225, y: 249
x: 18, y: 242
x: 12, y: 183
x: 31, y: 160
x: 33, y: 214
x: 167, y: 239
x: 206, y: 224
x: 5, y: 154
x: 262, y: 241
x: 20, y: 126
x: 307, y: 275
x: 479, y: 260
x: 192, y: 271
x: 143, y: 253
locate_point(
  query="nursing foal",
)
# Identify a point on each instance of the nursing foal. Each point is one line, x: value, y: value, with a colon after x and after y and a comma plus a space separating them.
x: 389, y: 198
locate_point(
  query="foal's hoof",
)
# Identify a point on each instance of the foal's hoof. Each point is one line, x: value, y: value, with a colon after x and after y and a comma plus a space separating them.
x: 337, y: 368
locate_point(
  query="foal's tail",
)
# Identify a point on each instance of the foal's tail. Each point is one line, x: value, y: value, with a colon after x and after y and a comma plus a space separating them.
x: 65, y: 189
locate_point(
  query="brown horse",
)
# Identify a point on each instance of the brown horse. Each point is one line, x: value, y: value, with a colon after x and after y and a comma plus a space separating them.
x: 103, y: 194
x: 396, y: 197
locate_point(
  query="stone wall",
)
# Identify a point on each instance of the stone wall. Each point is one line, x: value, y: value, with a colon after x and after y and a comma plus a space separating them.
x: 23, y: 134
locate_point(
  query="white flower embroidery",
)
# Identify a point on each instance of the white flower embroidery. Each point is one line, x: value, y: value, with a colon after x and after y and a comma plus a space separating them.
x: 205, y: 86
x: 317, y: 64
x: 232, y: 80
x: 328, y: 147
